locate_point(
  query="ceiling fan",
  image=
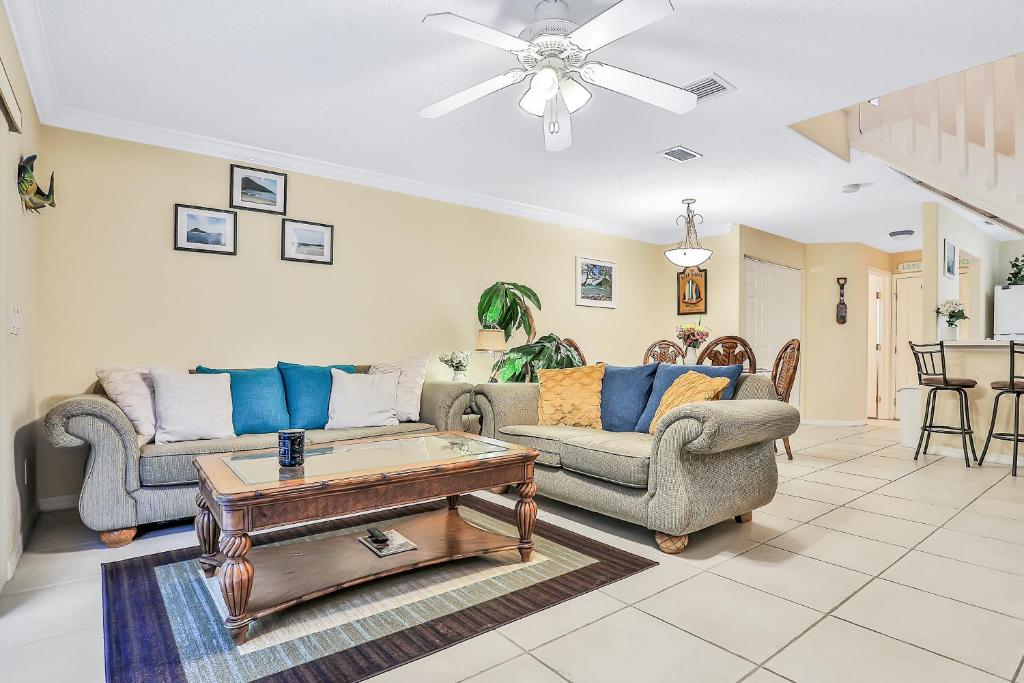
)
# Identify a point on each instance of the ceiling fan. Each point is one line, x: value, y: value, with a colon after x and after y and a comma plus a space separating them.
x: 554, y: 54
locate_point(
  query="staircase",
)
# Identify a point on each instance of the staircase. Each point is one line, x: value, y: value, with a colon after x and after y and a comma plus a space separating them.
x: 962, y: 135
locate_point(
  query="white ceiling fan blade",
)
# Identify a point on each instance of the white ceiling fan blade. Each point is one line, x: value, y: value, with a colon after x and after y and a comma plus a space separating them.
x: 461, y: 99
x: 620, y: 19
x: 574, y: 94
x: 557, y: 125
x: 639, y: 87
x: 453, y: 23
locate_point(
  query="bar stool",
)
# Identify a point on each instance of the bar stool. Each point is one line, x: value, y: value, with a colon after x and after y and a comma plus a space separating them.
x: 931, y: 372
x: 1016, y: 387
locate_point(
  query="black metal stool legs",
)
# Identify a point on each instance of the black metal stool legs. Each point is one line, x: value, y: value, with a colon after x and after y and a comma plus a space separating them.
x: 965, y: 423
x: 929, y: 406
x: 1015, y: 437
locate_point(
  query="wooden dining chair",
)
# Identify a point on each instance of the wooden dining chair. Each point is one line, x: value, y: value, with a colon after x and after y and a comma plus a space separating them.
x: 575, y: 347
x: 729, y: 351
x: 784, y: 375
x: 664, y: 351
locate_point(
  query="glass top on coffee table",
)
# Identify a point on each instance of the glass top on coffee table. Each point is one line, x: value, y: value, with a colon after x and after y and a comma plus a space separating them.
x: 341, y: 458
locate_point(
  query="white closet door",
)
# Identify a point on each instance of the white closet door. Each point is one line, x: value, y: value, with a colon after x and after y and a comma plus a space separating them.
x: 774, y: 312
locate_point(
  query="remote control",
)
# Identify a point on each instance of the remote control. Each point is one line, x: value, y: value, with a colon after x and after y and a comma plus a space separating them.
x: 377, y: 537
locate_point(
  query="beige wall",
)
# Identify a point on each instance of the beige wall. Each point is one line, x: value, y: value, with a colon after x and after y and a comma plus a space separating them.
x: 835, y: 359
x: 19, y: 240
x: 724, y: 273
x: 406, y: 278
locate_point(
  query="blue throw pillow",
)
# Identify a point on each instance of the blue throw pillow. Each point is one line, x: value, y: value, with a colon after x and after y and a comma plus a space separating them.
x: 307, y: 390
x: 624, y: 394
x: 257, y: 399
x: 668, y: 373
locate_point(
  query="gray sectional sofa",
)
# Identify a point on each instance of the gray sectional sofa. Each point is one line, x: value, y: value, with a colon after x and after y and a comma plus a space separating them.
x: 128, y: 484
x: 706, y: 463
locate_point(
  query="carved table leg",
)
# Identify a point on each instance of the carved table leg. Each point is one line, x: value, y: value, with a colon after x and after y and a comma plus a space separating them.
x: 526, y: 518
x: 209, y: 535
x: 453, y: 502
x: 236, y: 583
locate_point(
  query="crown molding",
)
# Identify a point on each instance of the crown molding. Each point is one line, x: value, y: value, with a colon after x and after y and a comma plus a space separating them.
x: 30, y: 38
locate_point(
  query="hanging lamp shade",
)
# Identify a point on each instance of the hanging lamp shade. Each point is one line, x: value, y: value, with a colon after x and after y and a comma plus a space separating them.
x: 689, y: 252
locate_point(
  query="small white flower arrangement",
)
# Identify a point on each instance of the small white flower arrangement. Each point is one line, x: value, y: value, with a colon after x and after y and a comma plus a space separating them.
x: 458, y: 361
x: 953, y: 311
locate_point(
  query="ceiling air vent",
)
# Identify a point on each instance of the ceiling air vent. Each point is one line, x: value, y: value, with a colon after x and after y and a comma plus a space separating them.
x: 680, y: 154
x: 710, y: 86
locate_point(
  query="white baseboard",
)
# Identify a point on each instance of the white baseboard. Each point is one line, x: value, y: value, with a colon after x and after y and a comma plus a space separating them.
x: 835, y: 423
x: 12, y: 560
x: 58, y: 503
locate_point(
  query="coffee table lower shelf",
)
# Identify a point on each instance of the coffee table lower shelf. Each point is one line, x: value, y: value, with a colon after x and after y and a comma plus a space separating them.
x: 288, y: 574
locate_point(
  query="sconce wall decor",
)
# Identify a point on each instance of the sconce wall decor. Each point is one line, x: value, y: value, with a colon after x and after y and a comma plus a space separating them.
x: 841, y: 306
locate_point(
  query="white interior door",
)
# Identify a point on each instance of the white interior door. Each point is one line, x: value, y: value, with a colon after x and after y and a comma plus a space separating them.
x: 774, y: 312
x: 906, y: 328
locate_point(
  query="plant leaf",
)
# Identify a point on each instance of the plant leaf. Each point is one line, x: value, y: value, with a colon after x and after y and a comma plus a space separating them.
x: 528, y: 293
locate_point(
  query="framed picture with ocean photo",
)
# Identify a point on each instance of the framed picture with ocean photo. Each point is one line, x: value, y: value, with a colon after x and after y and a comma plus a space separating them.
x: 307, y: 242
x: 596, y: 283
x: 212, y: 231
x: 254, y: 189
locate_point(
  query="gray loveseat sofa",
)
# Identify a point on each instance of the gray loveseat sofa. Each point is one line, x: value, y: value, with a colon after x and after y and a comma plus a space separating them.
x: 706, y: 463
x: 127, y: 484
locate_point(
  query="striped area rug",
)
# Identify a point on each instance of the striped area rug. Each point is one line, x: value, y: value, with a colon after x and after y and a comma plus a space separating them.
x: 163, y: 619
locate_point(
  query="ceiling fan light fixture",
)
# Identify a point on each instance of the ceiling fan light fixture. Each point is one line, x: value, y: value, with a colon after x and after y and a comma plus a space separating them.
x: 574, y: 94
x: 544, y: 83
x: 532, y: 103
x: 689, y: 252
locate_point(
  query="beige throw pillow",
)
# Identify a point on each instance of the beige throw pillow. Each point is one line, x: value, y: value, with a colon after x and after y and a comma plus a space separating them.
x: 190, y: 407
x: 131, y: 388
x: 362, y: 400
x: 411, y: 374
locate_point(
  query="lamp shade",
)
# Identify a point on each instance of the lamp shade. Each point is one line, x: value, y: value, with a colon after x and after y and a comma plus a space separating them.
x: 685, y: 258
x: 490, y: 340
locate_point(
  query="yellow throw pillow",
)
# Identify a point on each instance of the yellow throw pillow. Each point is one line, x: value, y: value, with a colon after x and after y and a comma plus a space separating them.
x: 571, y: 397
x: 689, y: 388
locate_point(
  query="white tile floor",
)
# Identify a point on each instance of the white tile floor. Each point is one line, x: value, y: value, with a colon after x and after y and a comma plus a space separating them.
x: 867, y: 566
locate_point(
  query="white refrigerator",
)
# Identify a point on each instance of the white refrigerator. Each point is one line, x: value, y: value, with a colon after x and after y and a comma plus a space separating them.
x: 1009, y: 313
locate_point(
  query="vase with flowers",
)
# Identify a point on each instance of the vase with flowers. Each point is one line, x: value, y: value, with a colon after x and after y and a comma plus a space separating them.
x: 692, y: 335
x: 950, y: 313
x: 458, y: 361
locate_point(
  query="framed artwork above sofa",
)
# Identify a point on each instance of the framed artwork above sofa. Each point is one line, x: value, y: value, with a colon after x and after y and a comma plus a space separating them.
x: 692, y: 291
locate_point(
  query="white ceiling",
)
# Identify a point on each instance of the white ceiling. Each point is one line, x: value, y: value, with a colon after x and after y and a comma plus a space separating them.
x: 334, y: 88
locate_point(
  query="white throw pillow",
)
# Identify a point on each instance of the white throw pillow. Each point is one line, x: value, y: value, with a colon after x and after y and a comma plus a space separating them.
x: 131, y: 388
x: 412, y: 372
x: 362, y: 400
x: 192, y: 407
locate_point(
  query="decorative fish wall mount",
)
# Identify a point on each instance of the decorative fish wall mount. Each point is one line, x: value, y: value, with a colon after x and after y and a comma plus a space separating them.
x: 32, y: 196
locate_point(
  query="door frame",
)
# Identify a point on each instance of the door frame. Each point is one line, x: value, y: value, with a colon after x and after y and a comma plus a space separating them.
x: 799, y: 385
x: 886, y: 406
x: 891, y: 384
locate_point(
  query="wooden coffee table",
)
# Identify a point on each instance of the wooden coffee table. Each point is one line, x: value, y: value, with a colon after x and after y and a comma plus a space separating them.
x: 247, y: 491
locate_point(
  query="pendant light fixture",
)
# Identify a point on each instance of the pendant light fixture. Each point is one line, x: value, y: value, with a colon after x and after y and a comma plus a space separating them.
x: 689, y: 252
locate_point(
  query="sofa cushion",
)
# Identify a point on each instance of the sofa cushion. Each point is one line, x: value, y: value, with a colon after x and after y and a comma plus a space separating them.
x: 619, y: 457
x: 547, y: 439
x: 692, y: 387
x: 257, y: 399
x: 668, y: 373
x: 624, y: 394
x: 171, y: 463
x: 307, y: 389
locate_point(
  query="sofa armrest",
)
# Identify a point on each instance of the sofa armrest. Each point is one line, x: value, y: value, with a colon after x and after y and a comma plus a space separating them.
x: 442, y: 404
x: 503, y: 404
x: 754, y: 387
x: 112, y: 470
x: 717, y: 426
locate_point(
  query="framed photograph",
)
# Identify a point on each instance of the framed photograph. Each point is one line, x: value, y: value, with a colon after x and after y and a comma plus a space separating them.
x: 197, y: 228
x: 949, y: 268
x: 307, y: 242
x: 596, y: 283
x: 692, y: 291
x: 253, y: 189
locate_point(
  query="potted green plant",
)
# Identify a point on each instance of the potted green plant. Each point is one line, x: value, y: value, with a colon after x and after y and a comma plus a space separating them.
x: 951, y: 312
x: 506, y: 306
x: 1016, y: 276
x: 520, y: 364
